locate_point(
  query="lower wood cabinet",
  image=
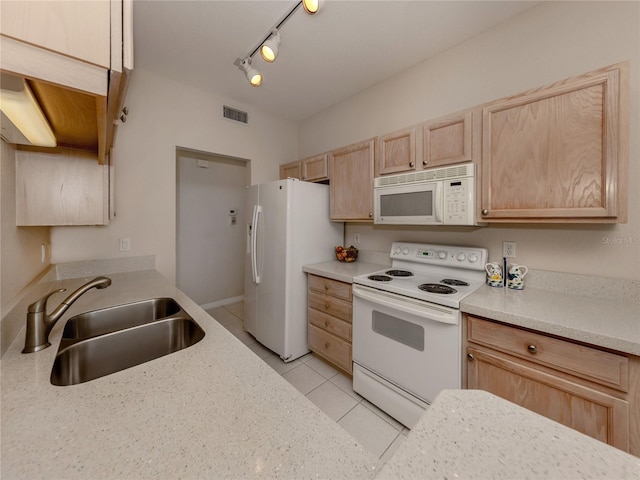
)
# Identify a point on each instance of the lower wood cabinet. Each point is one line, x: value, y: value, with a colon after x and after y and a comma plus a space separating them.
x: 329, y: 317
x: 588, y: 389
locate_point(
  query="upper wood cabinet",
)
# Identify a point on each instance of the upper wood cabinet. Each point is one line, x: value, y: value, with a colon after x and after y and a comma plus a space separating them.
x: 63, y: 188
x: 397, y: 152
x: 291, y: 170
x: 315, y: 169
x: 76, y: 57
x: 351, y: 186
x: 558, y: 153
x: 448, y: 140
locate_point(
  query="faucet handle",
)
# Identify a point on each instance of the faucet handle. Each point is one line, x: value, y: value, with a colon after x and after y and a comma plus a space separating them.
x: 40, y: 305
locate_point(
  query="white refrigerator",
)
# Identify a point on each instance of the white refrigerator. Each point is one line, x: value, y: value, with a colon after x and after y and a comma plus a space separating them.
x: 289, y: 228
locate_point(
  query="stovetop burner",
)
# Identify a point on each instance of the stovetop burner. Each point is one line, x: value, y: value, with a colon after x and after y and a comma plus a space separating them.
x: 380, y: 278
x: 453, y: 281
x: 399, y: 273
x: 436, y: 288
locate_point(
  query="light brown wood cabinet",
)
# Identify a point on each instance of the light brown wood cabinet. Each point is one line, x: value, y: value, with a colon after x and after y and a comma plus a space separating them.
x: 397, y: 152
x: 585, y: 388
x: 558, y: 153
x: 76, y: 57
x: 329, y: 316
x: 291, y: 170
x: 450, y: 139
x: 351, y: 187
x: 312, y: 169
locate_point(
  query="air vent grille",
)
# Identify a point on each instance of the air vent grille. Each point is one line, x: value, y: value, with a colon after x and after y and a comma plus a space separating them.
x: 235, y: 114
x: 465, y: 170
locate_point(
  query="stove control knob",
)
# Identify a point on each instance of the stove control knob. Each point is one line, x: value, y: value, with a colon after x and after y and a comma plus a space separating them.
x: 397, y: 251
x: 442, y: 255
x: 461, y: 257
x: 473, y: 258
x: 405, y: 251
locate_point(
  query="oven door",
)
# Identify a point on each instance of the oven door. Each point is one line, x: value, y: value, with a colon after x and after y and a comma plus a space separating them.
x: 413, y: 344
x: 410, y: 204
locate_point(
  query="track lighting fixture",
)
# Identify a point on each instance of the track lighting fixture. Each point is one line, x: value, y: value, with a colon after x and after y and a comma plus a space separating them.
x: 270, y: 45
x: 254, y: 77
x: 269, y: 49
x: 311, y: 6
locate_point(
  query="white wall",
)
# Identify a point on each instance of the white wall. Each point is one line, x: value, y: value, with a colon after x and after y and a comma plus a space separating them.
x: 210, y: 249
x: 550, y: 42
x: 20, y: 247
x: 164, y: 115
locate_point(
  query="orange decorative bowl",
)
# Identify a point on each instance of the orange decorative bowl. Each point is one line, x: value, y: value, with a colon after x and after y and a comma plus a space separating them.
x: 346, y: 254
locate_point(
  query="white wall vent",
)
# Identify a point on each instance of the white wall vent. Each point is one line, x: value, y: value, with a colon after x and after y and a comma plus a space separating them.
x: 235, y: 114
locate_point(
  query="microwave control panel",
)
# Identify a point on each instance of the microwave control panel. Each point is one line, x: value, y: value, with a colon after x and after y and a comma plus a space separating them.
x: 459, y: 201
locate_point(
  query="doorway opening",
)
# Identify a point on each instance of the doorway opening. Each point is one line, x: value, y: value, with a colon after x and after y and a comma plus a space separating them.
x: 211, y: 194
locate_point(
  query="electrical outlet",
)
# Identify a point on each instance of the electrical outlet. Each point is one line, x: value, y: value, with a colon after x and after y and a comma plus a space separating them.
x: 356, y: 238
x: 509, y: 249
x: 125, y: 244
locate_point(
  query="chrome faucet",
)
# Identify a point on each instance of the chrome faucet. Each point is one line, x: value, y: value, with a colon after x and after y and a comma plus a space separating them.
x: 39, y: 324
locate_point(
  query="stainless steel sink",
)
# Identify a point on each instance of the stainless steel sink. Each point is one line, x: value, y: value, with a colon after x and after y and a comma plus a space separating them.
x: 103, y: 342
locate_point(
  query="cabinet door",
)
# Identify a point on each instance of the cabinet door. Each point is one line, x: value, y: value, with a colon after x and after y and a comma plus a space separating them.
x: 315, y: 169
x: 75, y: 29
x: 558, y: 152
x: 63, y: 188
x: 397, y: 152
x: 291, y: 170
x: 351, y: 187
x: 589, y: 411
x: 448, y: 140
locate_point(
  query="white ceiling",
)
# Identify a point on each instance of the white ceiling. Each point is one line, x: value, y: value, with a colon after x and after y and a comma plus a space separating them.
x: 348, y: 46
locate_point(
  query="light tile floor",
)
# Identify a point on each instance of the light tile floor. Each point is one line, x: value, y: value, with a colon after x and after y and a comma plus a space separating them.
x: 328, y: 388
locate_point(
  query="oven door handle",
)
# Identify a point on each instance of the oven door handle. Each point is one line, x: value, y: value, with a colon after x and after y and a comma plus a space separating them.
x: 435, y: 313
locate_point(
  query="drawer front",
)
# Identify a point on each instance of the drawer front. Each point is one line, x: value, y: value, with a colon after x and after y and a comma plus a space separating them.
x: 330, y: 305
x: 585, y: 362
x: 330, y: 324
x: 330, y: 287
x: 330, y: 347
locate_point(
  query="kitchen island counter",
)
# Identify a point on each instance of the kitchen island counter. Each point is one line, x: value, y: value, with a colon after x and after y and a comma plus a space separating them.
x: 473, y: 434
x: 213, y: 410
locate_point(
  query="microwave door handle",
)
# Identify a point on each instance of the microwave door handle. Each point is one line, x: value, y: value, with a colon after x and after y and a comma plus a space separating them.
x: 399, y: 305
x: 439, y: 200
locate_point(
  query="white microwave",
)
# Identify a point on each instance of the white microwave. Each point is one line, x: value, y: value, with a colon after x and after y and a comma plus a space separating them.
x: 437, y: 196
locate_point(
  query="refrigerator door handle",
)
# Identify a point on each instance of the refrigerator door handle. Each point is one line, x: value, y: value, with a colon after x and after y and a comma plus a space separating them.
x: 257, y: 210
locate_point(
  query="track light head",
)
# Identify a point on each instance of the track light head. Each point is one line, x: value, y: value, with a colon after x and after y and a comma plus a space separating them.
x: 254, y: 77
x: 269, y: 49
x: 311, y: 6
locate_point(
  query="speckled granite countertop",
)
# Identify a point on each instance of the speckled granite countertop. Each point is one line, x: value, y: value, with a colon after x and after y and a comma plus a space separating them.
x: 343, y: 272
x: 475, y: 435
x: 613, y: 324
x: 214, y: 410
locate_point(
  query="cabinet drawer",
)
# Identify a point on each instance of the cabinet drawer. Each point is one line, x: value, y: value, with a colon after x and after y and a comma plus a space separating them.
x: 585, y: 362
x: 330, y: 287
x: 330, y: 324
x: 332, y: 348
x: 330, y: 305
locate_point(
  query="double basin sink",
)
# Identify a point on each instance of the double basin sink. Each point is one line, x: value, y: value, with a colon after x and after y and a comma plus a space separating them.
x: 106, y: 341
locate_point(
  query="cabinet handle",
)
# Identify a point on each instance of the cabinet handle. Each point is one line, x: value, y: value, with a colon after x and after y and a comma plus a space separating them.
x: 326, y: 346
x: 424, y: 163
x: 326, y: 287
x: 411, y: 164
x: 326, y: 323
x: 470, y: 356
x: 485, y: 211
x: 532, y: 349
x: 326, y: 306
x: 370, y: 214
